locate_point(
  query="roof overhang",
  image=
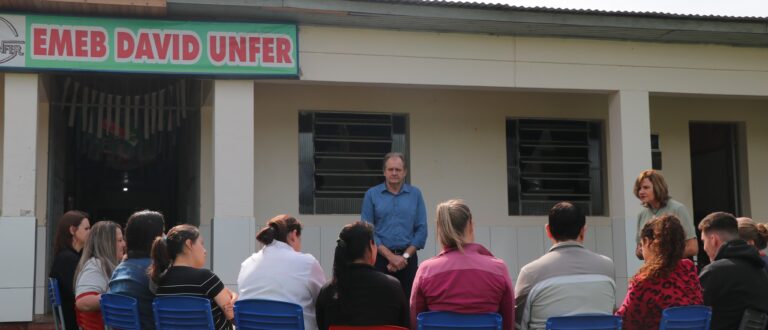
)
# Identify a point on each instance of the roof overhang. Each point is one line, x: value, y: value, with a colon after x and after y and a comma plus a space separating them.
x: 497, y: 20
x: 143, y: 8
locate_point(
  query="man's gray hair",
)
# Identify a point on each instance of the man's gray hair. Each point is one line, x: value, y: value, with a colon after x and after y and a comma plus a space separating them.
x: 394, y: 155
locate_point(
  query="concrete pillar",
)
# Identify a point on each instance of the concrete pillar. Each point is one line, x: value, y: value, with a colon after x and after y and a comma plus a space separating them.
x: 233, y: 225
x: 630, y: 153
x: 17, y: 219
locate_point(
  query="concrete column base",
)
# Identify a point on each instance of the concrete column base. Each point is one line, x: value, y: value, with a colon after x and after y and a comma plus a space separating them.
x: 234, y: 239
x: 17, y: 257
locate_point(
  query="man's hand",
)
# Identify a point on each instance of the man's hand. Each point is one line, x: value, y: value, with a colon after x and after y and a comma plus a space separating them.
x: 396, y: 262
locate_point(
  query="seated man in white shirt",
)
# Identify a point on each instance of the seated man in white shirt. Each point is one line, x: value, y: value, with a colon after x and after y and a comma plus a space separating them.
x: 567, y: 280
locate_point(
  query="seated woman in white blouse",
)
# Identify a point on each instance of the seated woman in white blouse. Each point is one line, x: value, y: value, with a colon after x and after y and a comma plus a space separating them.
x: 279, y: 271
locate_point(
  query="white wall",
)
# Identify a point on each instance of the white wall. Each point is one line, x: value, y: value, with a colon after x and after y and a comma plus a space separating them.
x: 670, y: 117
x: 454, y: 59
x: 457, y: 147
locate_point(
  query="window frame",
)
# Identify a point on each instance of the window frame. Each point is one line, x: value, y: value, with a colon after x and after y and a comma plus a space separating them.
x: 399, y: 141
x: 514, y: 168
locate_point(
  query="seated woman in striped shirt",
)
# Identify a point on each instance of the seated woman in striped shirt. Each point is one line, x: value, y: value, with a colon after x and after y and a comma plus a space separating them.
x: 177, y: 270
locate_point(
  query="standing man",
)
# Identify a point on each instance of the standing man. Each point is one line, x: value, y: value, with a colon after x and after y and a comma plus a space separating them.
x: 396, y: 209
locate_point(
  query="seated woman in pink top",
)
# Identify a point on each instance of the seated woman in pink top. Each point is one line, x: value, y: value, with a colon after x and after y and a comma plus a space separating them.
x: 465, y: 277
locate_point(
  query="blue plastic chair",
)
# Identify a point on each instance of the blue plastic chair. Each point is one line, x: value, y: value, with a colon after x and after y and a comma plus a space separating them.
x: 262, y: 314
x: 120, y: 312
x: 450, y: 320
x: 182, y: 312
x: 55, y: 297
x: 694, y: 317
x: 584, y: 322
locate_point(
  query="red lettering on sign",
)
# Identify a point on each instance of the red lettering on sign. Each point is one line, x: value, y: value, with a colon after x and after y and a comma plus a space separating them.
x: 69, y: 43
x: 60, y: 42
x: 254, y: 48
x: 175, y: 38
x: 124, y: 45
x: 237, y: 49
x: 162, y: 43
x: 39, y: 40
x: 284, y: 48
x: 143, y: 49
x: 99, y: 48
x: 217, y: 49
x: 81, y: 43
x: 268, y: 50
x: 190, y: 50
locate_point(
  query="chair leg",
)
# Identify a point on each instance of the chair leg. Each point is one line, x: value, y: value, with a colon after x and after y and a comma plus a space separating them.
x: 56, y: 320
x: 61, y: 317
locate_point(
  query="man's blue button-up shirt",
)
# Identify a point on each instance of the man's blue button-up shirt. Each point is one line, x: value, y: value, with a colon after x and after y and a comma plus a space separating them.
x: 399, y: 220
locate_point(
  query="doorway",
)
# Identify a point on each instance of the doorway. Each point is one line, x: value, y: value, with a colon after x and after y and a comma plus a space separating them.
x: 120, y: 144
x: 715, y: 172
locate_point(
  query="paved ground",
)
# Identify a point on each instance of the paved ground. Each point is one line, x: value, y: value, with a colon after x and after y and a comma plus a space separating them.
x: 41, y: 322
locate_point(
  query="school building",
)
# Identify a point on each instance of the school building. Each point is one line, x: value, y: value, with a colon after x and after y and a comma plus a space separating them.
x: 224, y: 114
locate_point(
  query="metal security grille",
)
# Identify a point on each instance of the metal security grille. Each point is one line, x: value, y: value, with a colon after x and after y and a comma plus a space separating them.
x: 549, y: 161
x: 341, y: 157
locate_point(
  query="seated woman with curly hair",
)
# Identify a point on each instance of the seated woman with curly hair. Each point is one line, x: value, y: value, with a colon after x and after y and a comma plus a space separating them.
x: 665, y: 280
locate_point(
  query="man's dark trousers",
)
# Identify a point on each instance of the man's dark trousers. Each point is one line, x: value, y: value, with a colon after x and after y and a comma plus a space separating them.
x: 405, y: 275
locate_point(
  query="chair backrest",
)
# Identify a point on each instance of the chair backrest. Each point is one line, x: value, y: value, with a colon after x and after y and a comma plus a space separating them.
x: 268, y: 314
x: 366, y: 327
x: 55, y: 298
x: 567, y: 295
x: 587, y: 321
x: 694, y: 317
x: 120, y: 312
x: 53, y: 292
x: 450, y: 320
x: 182, y: 312
x: 753, y: 320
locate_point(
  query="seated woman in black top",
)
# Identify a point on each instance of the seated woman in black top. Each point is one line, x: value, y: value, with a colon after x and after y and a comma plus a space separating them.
x: 358, y: 294
x: 71, y: 234
x: 177, y: 270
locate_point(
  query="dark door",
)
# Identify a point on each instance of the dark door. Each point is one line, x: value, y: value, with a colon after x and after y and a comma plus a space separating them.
x: 714, y: 172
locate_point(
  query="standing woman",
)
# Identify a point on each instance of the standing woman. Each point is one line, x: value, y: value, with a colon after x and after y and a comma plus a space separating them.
x: 666, y: 279
x: 71, y: 234
x: 102, y: 253
x: 652, y: 190
x: 465, y: 277
x: 177, y: 270
x: 279, y: 271
x: 359, y: 294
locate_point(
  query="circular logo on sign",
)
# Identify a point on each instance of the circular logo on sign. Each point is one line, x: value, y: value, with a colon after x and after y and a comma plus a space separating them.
x: 11, y: 44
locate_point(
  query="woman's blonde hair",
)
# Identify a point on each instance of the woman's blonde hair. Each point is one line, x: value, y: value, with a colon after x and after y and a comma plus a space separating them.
x: 453, y: 216
x: 660, y: 189
x: 101, y: 245
x: 750, y: 230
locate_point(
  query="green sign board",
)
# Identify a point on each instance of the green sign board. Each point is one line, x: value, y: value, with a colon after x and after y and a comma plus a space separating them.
x: 37, y: 42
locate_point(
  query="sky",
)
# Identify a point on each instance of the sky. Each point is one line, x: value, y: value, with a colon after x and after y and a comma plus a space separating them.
x: 754, y: 8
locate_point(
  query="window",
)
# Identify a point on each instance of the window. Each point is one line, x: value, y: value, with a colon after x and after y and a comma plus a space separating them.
x: 340, y: 157
x: 655, y: 152
x: 549, y: 161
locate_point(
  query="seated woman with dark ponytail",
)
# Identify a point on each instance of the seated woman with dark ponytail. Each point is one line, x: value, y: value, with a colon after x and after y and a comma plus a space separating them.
x: 177, y: 270
x: 280, y: 272
x: 359, y: 294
